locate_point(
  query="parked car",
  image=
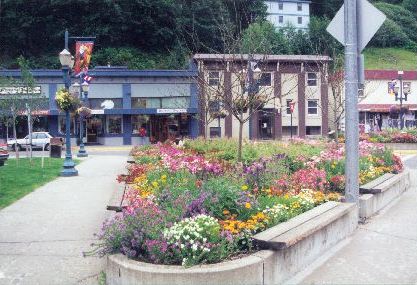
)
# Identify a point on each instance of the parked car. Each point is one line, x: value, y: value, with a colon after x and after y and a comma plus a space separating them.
x: 4, y: 155
x: 39, y: 140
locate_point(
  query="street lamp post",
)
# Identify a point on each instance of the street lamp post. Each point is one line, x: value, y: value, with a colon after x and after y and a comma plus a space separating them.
x: 84, y: 97
x: 67, y: 63
x: 401, y: 95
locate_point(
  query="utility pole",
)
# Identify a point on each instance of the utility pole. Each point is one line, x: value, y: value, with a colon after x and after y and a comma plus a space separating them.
x: 351, y: 93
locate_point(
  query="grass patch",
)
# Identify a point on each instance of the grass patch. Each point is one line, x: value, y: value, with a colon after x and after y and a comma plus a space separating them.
x: 18, y: 179
x: 390, y: 58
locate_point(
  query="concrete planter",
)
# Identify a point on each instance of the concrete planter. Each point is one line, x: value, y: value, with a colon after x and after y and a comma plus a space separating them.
x: 308, y: 235
x: 3, y: 158
x: 401, y: 146
x: 369, y: 204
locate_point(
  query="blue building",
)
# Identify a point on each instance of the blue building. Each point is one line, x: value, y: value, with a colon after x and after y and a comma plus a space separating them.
x: 164, y: 102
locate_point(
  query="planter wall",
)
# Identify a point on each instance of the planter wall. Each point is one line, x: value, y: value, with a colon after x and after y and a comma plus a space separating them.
x: 262, y: 267
x: 369, y: 204
x: 401, y: 146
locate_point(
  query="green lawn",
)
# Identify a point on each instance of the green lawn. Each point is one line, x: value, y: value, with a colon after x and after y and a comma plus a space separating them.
x: 390, y: 58
x: 18, y: 180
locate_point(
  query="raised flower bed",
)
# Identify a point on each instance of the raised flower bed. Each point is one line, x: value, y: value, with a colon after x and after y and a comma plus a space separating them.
x: 197, y: 205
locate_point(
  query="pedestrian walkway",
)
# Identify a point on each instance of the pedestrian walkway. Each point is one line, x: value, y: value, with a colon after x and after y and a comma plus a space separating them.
x: 43, y: 235
x: 382, y: 251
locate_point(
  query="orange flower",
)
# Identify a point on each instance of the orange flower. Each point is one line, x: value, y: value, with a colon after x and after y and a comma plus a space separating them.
x: 248, y: 205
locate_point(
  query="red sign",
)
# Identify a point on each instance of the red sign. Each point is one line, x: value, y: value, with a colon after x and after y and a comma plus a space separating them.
x: 83, y: 51
x: 292, y: 106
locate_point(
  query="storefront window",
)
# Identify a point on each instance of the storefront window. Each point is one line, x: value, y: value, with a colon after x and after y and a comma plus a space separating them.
x: 62, y: 125
x: 114, y: 124
x: 176, y: 102
x: 138, y: 122
x: 142, y: 103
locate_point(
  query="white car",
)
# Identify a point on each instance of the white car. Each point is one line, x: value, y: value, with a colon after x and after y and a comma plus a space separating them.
x: 39, y: 140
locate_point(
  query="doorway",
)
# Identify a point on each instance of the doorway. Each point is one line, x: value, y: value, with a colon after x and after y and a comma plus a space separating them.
x: 265, y: 125
x: 94, y: 128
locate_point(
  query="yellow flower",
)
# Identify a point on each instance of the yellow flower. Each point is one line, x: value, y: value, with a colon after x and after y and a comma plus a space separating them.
x: 226, y: 212
x: 248, y: 205
x: 155, y: 184
x: 163, y: 177
x: 245, y: 187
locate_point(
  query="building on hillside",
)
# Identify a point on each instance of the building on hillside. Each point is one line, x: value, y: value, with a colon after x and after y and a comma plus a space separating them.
x: 164, y: 102
x: 378, y: 106
x: 298, y: 79
x: 282, y: 13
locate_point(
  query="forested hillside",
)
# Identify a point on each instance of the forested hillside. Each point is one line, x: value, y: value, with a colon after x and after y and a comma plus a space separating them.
x: 147, y: 34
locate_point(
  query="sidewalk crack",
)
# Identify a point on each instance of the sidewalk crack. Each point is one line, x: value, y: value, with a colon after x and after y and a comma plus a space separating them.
x: 389, y: 235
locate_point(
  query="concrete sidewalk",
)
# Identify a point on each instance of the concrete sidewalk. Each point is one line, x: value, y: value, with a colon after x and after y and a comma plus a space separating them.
x: 43, y: 235
x: 382, y: 251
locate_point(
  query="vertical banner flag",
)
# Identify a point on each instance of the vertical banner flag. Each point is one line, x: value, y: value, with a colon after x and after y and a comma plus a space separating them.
x: 83, y: 51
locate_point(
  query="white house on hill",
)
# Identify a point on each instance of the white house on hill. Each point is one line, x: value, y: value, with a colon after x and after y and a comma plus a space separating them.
x: 284, y: 12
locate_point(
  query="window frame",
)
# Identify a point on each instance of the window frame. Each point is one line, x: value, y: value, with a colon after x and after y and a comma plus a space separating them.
x: 281, y: 19
x: 313, y: 108
x: 218, y: 129
x: 299, y: 6
x: 315, y: 80
x: 261, y: 83
x: 216, y: 79
x: 280, y: 6
x: 108, y: 124
x: 288, y: 109
x: 299, y: 20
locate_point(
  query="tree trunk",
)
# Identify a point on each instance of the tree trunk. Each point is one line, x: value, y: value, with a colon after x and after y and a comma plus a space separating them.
x: 15, y: 137
x: 239, y: 151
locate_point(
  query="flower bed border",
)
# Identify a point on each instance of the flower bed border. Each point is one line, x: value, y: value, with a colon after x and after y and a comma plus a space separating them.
x: 370, y: 204
x: 401, y: 146
x: 262, y: 267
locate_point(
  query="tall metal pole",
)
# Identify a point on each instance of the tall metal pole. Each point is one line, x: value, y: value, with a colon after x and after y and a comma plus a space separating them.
x: 351, y: 102
x: 69, y: 165
x: 401, y: 102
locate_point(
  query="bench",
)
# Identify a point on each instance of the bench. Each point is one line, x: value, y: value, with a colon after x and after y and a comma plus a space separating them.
x: 117, y: 201
x: 287, y: 234
x: 376, y: 186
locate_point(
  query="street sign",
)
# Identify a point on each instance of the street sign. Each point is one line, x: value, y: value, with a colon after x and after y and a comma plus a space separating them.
x: 292, y: 105
x: 369, y: 20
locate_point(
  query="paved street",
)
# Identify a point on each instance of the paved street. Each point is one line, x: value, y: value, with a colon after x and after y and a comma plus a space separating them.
x: 383, y: 251
x: 43, y: 235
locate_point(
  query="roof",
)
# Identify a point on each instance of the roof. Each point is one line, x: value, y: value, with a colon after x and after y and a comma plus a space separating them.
x: 283, y: 1
x: 105, y: 72
x: 382, y: 107
x: 271, y: 57
x: 389, y: 75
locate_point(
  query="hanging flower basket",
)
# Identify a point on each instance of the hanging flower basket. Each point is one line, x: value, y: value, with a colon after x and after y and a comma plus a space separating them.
x: 219, y: 114
x: 66, y: 101
x: 394, y: 109
x: 241, y: 105
x: 84, y: 112
x: 259, y: 102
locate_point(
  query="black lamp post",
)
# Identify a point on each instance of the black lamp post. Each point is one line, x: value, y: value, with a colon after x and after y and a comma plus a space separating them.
x: 67, y: 62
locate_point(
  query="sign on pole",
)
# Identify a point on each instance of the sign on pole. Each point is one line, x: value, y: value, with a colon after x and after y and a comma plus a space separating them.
x: 369, y: 20
x: 354, y: 31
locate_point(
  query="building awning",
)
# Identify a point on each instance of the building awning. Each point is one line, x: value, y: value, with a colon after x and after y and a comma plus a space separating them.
x: 383, y: 108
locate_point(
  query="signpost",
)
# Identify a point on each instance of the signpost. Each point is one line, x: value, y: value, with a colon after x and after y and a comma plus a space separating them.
x: 292, y: 106
x: 354, y: 26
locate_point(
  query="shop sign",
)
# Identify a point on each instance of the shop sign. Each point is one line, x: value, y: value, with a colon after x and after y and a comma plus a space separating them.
x: 21, y: 90
x: 97, y: 112
x: 171, y: 111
